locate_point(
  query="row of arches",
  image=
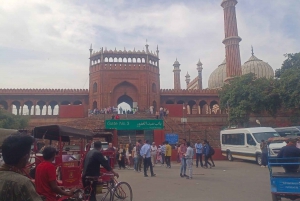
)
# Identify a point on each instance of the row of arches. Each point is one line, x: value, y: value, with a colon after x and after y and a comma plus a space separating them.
x: 39, y: 108
x: 124, y: 60
x: 201, y: 107
x: 153, y: 88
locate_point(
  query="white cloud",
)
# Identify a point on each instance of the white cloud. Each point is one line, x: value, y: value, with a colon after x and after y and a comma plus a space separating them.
x: 45, y: 43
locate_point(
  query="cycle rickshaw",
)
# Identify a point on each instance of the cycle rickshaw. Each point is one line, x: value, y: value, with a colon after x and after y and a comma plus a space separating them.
x: 284, y: 184
x: 72, y: 146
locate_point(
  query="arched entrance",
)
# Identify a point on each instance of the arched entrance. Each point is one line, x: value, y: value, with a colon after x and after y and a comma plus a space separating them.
x: 125, y: 103
x: 124, y: 95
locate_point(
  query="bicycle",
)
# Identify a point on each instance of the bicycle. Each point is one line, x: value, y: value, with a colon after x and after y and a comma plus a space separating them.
x: 115, y: 191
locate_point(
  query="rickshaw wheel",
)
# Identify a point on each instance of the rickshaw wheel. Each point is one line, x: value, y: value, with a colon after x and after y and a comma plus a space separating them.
x: 275, y: 197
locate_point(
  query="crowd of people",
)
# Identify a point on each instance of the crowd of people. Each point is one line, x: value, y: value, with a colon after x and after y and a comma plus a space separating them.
x: 112, y: 110
x: 14, y: 186
x: 143, y: 156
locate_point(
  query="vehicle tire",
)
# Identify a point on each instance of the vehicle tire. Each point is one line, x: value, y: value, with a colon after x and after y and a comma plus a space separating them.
x: 258, y: 159
x: 229, y: 156
x: 122, y: 191
x: 275, y: 197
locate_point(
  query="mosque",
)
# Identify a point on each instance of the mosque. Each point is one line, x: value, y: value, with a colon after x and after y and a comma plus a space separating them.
x: 132, y: 76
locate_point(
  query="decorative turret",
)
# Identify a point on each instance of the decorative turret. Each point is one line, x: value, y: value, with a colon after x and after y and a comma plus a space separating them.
x: 91, y: 50
x: 176, y: 75
x: 157, y: 52
x: 199, y: 69
x: 147, y: 46
x: 187, y: 79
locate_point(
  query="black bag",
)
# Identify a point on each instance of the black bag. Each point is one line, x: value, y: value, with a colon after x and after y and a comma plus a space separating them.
x: 211, y: 151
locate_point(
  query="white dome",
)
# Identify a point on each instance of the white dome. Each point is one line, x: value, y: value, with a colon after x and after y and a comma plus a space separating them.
x: 217, y: 77
x: 258, y: 67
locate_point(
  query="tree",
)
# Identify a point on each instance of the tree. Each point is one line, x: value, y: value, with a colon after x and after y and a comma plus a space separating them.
x: 290, y: 92
x: 10, y: 121
x: 247, y: 94
x: 292, y: 62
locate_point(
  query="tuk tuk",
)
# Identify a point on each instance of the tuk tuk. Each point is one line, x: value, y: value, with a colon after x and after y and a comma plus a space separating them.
x: 284, y: 183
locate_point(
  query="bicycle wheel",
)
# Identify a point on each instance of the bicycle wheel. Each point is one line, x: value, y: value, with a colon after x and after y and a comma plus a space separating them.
x: 122, y: 191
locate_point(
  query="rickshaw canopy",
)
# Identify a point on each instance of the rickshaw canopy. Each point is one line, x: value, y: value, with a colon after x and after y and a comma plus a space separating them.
x: 53, y: 132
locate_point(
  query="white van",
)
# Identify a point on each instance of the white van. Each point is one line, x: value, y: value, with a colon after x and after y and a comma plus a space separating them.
x: 244, y: 143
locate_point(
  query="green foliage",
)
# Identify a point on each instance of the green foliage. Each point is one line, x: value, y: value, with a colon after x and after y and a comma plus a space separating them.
x: 292, y: 62
x: 247, y: 94
x: 10, y: 121
x: 290, y: 92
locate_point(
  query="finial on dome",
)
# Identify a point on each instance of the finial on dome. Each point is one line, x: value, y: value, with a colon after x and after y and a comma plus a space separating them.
x: 187, y: 74
x: 199, y: 63
x: 176, y: 62
x: 252, y: 50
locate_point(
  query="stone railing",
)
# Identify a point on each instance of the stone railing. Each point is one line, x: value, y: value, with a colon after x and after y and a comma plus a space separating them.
x: 44, y: 91
x: 188, y: 92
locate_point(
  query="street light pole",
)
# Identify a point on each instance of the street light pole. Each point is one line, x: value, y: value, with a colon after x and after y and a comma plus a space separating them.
x: 183, y: 108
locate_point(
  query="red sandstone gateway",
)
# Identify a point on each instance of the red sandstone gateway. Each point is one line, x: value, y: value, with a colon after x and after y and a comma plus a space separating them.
x: 72, y: 146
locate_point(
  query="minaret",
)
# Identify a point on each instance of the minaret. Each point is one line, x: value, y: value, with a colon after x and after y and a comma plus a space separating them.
x: 91, y: 50
x: 187, y: 79
x: 199, y: 69
x: 176, y: 75
x: 232, y: 40
x: 157, y: 53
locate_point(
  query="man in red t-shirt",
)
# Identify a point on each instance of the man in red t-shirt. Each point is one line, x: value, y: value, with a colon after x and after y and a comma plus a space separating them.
x: 45, y: 177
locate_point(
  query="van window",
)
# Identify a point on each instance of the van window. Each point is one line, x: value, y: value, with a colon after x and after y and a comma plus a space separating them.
x: 265, y: 136
x: 233, y: 139
x: 250, y: 140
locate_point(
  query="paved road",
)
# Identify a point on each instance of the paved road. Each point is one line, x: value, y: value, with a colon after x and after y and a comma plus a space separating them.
x: 228, y: 181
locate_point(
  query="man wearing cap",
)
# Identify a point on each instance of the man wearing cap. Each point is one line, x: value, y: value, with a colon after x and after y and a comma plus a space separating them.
x: 290, y: 151
x: 153, y: 153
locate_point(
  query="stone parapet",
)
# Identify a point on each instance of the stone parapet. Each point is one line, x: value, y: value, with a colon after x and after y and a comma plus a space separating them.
x: 44, y: 91
x: 188, y: 92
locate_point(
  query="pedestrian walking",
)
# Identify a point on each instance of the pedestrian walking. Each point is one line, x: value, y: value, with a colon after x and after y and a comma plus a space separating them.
x: 163, y: 153
x: 128, y: 155
x: 121, y: 157
x: 135, y: 158
x: 199, y: 147
x: 168, y: 154
x: 211, y: 153
x: 182, y: 151
x: 189, y: 160
x: 140, y: 158
x: 158, y: 155
x: 146, y: 154
x: 264, y: 153
x: 153, y: 153
x: 206, y: 153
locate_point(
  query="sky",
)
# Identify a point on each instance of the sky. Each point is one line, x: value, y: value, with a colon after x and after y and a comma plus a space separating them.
x: 44, y: 44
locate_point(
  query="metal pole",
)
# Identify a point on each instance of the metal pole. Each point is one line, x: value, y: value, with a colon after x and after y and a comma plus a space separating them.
x: 183, y: 107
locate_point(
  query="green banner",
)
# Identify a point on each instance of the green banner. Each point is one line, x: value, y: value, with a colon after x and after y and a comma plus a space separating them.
x: 135, y: 124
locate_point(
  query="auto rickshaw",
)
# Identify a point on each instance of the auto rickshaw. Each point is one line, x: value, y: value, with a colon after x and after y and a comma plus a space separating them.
x: 284, y: 183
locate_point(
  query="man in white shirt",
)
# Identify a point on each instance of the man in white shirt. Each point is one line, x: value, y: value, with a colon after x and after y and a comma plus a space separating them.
x: 189, y: 160
x: 153, y: 153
